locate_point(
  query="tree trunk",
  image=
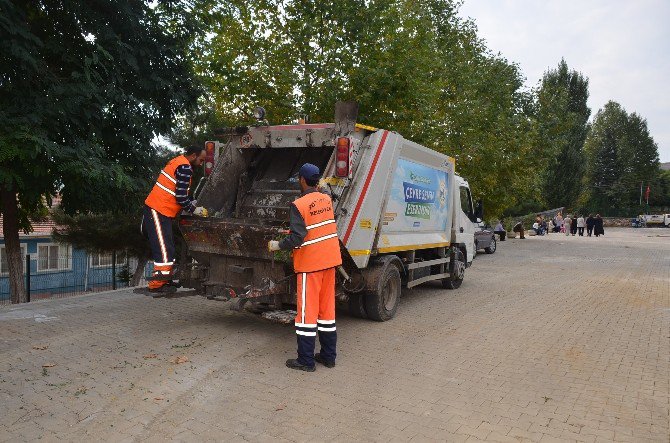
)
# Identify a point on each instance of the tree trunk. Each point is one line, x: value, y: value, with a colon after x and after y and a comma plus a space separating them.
x: 10, y: 228
x: 139, y: 271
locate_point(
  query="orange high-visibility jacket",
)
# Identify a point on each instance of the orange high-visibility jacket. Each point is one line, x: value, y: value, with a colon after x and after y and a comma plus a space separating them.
x: 320, y: 248
x: 162, y: 196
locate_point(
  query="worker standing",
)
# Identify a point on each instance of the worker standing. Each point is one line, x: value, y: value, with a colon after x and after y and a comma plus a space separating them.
x: 316, y: 253
x: 166, y: 200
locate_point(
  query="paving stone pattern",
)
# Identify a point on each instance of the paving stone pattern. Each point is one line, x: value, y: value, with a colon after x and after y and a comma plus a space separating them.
x: 550, y: 339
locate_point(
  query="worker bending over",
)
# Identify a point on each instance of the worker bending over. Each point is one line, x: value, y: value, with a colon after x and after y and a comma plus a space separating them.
x: 316, y: 253
x: 168, y: 198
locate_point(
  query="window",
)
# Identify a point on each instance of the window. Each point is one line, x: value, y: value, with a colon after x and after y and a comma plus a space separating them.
x: 466, y: 201
x: 4, y: 267
x: 52, y: 257
x: 104, y: 260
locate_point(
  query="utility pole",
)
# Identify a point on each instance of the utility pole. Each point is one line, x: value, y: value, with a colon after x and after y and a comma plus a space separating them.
x: 640, y: 193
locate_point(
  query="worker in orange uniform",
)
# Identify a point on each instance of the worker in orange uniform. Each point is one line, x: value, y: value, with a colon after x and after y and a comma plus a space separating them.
x: 316, y: 253
x: 168, y: 198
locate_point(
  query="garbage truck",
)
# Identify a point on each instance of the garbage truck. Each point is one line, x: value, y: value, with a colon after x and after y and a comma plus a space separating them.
x: 404, y: 217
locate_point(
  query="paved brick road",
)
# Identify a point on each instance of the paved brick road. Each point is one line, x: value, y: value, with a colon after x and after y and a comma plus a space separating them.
x: 551, y: 338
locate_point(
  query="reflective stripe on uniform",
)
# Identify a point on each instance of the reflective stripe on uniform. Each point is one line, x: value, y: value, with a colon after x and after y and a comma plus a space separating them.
x: 305, y: 325
x: 159, y: 234
x: 165, y: 189
x: 302, y: 297
x: 306, y: 334
x: 316, y: 240
x: 326, y: 325
x: 168, y: 176
x: 318, y: 225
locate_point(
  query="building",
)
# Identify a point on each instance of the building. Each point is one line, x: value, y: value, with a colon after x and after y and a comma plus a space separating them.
x: 58, y: 269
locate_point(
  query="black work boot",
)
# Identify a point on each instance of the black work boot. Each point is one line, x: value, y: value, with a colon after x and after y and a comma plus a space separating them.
x: 326, y: 363
x: 294, y: 364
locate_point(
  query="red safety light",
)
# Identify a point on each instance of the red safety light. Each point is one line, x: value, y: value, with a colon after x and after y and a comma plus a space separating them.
x: 210, y: 153
x: 343, y: 147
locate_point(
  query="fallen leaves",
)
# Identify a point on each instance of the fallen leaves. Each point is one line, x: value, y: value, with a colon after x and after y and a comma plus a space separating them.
x: 180, y: 359
x: 40, y: 347
x: 148, y: 356
x: 48, y: 365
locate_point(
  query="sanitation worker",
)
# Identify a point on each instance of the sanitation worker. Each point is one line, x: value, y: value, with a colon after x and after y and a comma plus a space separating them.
x: 316, y: 253
x: 168, y: 198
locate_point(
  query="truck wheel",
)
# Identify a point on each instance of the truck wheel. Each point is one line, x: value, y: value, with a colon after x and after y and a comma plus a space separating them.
x: 381, y: 303
x: 456, y: 271
x: 492, y: 247
x: 357, y: 306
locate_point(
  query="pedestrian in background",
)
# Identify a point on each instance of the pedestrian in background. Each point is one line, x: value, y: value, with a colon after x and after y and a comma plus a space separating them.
x: 558, y: 223
x: 500, y: 230
x: 580, y: 225
x: 567, y: 224
x: 598, y: 228
x: 550, y: 227
x: 590, y: 221
x: 518, y: 227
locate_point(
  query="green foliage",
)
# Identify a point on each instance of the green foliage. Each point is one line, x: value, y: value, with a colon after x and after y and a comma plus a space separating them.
x: 621, y: 155
x: 562, y: 115
x: 102, y: 232
x: 414, y: 67
x: 84, y: 86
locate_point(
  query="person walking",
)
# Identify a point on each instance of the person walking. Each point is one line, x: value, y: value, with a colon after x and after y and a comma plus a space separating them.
x: 590, y: 221
x: 598, y: 228
x: 167, y: 199
x: 316, y: 253
x: 573, y: 226
x: 567, y: 223
x: 580, y: 225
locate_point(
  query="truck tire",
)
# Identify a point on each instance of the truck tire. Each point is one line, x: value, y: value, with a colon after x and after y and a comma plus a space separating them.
x: 381, y: 302
x: 456, y: 270
x: 492, y: 246
x: 357, y: 306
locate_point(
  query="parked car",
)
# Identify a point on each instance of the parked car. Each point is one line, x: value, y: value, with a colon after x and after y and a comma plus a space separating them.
x: 485, y: 239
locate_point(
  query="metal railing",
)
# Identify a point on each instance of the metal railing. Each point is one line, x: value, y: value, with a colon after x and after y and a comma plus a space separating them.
x: 58, y: 276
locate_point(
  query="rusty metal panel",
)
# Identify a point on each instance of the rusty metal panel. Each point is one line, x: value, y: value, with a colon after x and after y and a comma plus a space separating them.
x: 229, y: 237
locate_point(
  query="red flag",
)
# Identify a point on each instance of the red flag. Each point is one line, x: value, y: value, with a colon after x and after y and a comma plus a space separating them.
x: 646, y: 194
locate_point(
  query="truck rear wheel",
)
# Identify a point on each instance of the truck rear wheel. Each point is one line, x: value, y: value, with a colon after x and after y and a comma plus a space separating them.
x: 357, y: 306
x: 456, y: 271
x: 381, y: 302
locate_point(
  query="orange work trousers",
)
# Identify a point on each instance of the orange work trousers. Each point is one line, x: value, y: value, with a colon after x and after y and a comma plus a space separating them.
x: 316, y: 313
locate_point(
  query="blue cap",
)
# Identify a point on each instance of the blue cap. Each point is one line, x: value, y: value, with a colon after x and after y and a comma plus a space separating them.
x: 309, y: 171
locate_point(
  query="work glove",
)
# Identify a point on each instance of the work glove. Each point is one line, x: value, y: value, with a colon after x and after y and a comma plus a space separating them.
x: 273, y: 245
x: 202, y: 212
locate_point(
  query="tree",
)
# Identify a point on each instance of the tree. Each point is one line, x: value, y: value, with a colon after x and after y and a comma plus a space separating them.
x: 83, y: 89
x: 621, y: 154
x: 414, y: 67
x: 562, y: 115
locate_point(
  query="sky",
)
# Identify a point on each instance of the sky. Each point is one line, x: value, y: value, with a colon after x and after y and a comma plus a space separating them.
x: 623, y: 47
